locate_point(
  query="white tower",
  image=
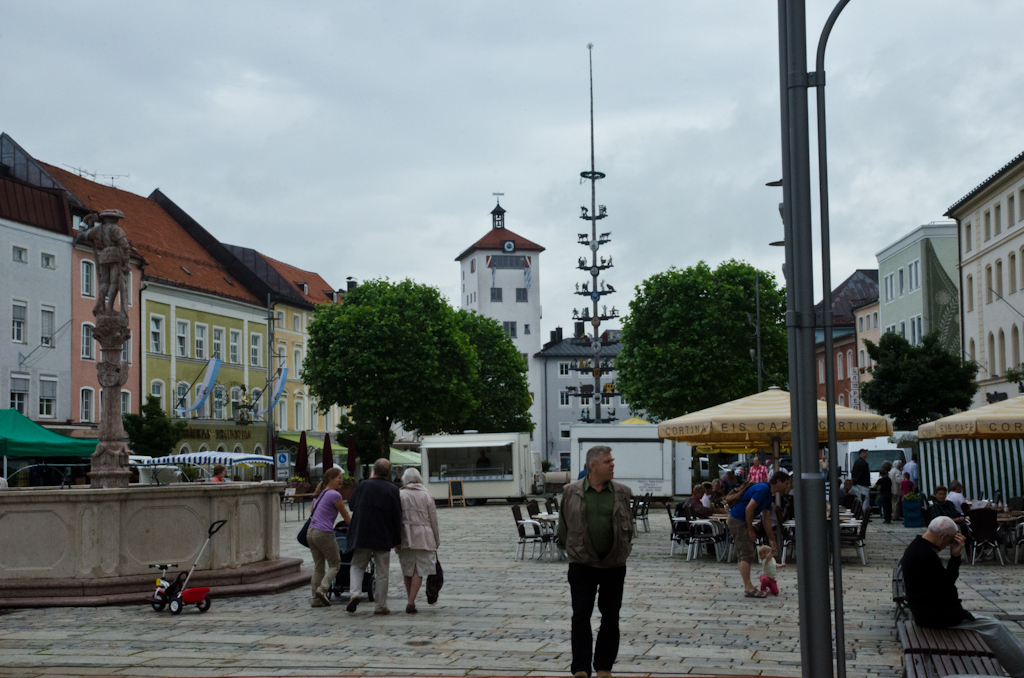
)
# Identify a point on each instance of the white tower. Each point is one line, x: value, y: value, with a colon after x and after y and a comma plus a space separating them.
x: 501, y: 280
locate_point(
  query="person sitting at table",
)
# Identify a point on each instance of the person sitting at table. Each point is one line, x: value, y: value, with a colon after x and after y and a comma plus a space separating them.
x: 933, y: 598
x: 715, y: 495
x: 845, y: 489
x: 695, y: 503
x: 218, y: 474
x: 728, y: 482
x: 706, y: 499
x: 941, y: 506
x: 956, y: 496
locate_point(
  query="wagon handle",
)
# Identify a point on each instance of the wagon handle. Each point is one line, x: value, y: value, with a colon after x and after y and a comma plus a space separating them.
x: 216, y: 526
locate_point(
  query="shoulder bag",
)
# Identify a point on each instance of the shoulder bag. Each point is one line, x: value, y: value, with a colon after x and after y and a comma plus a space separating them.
x: 301, y: 537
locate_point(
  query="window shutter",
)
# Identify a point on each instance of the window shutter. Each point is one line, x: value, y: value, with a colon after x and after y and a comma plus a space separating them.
x: 47, y: 389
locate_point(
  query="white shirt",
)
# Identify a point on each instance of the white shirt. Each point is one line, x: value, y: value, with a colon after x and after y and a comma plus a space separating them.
x: 911, y: 468
x: 706, y: 500
x: 957, y: 500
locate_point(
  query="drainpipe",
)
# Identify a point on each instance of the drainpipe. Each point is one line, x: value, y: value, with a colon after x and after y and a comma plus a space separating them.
x: 960, y: 277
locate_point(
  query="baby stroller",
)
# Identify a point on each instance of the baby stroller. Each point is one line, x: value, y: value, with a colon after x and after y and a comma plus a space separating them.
x: 339, y: 587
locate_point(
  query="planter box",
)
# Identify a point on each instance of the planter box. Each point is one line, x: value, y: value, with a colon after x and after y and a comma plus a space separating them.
x: 911, y: 513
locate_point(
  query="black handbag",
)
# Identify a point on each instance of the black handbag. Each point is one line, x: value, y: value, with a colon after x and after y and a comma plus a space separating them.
x: 301, y: 537
x: 434, y: 583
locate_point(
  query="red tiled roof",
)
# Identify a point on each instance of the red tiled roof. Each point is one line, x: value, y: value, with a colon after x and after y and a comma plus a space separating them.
x: 318, y: 287
x: 45, y: 208
x: 492, y: 241
x: 172, y: 255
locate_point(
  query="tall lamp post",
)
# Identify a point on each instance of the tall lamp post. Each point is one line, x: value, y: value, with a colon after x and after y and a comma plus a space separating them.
x: 815, y: 639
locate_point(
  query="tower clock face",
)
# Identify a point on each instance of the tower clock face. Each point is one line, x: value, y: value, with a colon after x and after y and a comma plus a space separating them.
x: 508, y: 246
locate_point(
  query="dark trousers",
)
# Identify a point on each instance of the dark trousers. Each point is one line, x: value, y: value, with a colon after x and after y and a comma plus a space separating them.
x: 587, y: 583
x: 885, y: 503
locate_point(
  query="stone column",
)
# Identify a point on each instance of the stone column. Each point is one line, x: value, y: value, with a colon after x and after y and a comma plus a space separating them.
x: 110, y: 460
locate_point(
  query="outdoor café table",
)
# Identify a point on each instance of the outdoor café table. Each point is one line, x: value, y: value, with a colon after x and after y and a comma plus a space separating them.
x: 550, y: 522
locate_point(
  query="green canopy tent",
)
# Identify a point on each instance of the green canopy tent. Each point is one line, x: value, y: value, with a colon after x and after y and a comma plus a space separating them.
x: 22, y: 437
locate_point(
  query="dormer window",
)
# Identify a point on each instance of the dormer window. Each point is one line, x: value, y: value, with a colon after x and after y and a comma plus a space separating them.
x: 302, y: 286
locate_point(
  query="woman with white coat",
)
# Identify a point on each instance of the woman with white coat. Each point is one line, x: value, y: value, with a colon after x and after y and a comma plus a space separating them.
x: 420, y: 537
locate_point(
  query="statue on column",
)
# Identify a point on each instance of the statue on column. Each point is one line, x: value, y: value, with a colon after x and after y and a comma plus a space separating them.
x: 113, y: 253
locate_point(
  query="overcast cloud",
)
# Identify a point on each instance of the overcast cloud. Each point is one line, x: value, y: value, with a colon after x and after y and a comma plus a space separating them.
x: 366, y: 138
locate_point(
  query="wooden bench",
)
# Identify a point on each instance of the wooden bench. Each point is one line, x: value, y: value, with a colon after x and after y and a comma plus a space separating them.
x: 899, y: 593
x: 933, y: 653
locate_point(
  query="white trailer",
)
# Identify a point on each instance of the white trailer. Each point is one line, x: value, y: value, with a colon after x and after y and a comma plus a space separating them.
x: 643, y: 461
x: 490, y: 465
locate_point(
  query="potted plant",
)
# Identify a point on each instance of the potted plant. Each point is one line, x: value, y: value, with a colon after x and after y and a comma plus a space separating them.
x: 912, y: 509
x: 300, y: 484
x: 348, y: 486
x: 545, y: 466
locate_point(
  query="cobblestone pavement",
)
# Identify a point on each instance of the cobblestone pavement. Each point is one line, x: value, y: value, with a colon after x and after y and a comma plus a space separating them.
x: 494, y: 617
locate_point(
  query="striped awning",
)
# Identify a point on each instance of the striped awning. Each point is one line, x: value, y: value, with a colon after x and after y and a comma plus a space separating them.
x: 983, y: 466
x: 211, y: 458
x: 1004, y: 419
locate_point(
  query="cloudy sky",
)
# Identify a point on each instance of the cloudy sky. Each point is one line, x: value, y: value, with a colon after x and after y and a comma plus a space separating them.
x: 366, y: 138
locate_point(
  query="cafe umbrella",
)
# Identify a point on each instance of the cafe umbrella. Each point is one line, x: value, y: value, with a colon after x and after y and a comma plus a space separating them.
x: 327, y: 454
x: 302, y: 458
x: 1004, y: 419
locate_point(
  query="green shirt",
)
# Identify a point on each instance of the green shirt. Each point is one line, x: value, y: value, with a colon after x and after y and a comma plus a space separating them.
x: 600, y: 507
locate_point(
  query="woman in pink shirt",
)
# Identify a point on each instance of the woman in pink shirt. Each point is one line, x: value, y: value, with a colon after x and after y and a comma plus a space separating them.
x: 906, y: 486
x: 327, y: 503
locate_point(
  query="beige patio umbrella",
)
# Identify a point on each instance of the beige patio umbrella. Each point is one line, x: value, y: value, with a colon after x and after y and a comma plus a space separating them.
x: 1004, y: 419
x: 763, y: 420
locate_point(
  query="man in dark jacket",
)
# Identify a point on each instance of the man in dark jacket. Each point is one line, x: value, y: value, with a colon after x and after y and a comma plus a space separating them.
x: 595, y: 528
x: 861, y: 476
x: 376, y: 528
x: 933, y: 599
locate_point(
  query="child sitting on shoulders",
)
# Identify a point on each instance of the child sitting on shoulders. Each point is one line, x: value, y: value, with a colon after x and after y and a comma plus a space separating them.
x: 768, y: 566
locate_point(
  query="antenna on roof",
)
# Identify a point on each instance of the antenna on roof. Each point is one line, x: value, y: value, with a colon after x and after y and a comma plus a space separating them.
x: 498, y: 196
x: 94, y: 175
x: 81, y: 172
x: 114, y: 176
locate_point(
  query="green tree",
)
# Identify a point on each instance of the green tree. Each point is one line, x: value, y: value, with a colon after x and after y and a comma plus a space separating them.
x: 152, y: 433
x: 686, y: 341
x: 393, y: 352
x: 500, y: 389
x: 916, y: 384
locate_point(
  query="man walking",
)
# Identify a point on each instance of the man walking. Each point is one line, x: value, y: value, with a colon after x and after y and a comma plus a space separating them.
x: 861, y: 476
x: 376, y: 528
x: 595, y: 528
x: 933, y: 598
x: 756, y: 501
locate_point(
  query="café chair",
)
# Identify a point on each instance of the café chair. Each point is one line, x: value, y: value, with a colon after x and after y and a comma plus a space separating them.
x: 530, y: 532
x: 984, y: 533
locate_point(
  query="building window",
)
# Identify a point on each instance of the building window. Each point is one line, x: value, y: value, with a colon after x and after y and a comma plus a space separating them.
x: 254, y: 350
x: 495, y: 294
x: 842, y: 400
x: 296, y: 323
x: 1014, y: 334
x: 508, y: 261
x: 47, y: 397
x: 999, y: 218
x: 201, y: 342
x: 1010, y: 215
x: 840, y: 372
x: 236, y: 339
x: 525, y: 357
x: 88, y: 281
x: 821, y: 370
x: 19, y: 393
x: 874, y: 317
x: 85, y: 406
x: 521, y: 294
x: 914, y: 275
x: 564, y: 399
x: 913, y: 332
x: 156, y: 326
x: 280, y: 319
x: 296, y: 362
x: 563, y: 369
x: 988, y: 226
x: 526, y: 328
x: 1011, y: 266
x: 564, y: 433
x: 968, y: 241
x: 46, y: 327
x: 218, y: 343
x: 862, y: 363
x: 988, y: 284
x: 156, y: 389
x: 182, y: 338
x: 181, y: 399
x: 903, y: 329
x: 282, y: 414
x: 298, y: 415
x: 890, y: 287
x: 314, y: 420
x: 126, y: 351
x: 218, y: 402
x: 970, y: 350
x: 901, y: 281
x: 970, y: 293
x: 849, y: 364
x: 510, y: 329
x: 1002, y: 352
x: 19, y: 312
x: 20, y: 255
x: 999, y: 278
x: 87, y: 343
x: 126, y: 402
x: 48, y: 261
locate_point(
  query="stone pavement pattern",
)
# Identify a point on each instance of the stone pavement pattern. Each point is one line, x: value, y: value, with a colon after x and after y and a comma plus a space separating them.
x: 494, y: 617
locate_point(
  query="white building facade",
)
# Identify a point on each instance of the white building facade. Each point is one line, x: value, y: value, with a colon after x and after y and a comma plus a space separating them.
x: 990, y: 222
x: 500, y: 279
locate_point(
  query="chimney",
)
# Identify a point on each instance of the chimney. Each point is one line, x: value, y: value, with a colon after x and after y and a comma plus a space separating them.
x: 352, y: 284
x: 579, y: 330
x: 554, y: 336
x: 558, y: 333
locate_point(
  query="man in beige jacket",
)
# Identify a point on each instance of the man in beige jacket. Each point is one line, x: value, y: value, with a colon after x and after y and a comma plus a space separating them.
x: 595, y: 528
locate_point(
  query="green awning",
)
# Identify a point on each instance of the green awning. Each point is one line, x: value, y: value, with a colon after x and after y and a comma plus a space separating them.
x: 405, y: 458
x: 398, y: 457
x: 22, y: 437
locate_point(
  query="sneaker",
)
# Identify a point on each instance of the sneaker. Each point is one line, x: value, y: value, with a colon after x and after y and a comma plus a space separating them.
x: 410, y: 609
x: 316, y: 602
x: 322, y: 597
x: 382, y: 610
x: 351, y: 607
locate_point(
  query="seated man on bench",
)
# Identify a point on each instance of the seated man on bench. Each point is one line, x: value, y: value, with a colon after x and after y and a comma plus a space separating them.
x: 932, y: 595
